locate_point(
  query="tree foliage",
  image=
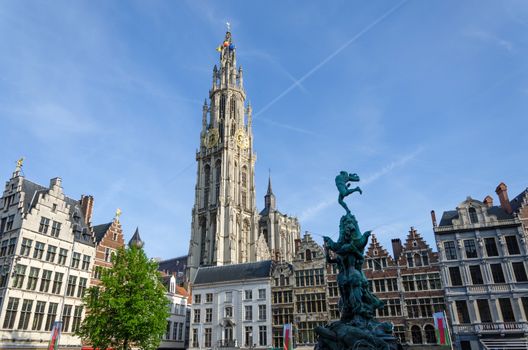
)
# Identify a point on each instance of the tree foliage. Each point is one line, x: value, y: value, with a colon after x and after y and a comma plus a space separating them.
x: 129, y: 308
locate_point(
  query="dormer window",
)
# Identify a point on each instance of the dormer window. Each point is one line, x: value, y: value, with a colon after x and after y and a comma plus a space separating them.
x: 473, y: 215
x: 414, y: 244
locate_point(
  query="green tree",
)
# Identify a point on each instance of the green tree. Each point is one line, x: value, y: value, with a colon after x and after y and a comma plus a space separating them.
x: 129, y: 308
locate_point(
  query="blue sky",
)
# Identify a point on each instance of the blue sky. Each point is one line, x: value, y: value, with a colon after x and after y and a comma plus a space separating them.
x: 426, y: 100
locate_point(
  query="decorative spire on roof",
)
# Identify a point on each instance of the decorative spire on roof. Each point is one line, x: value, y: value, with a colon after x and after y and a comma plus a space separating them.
x: 18, y: 167
x: 270, y: 191
x: 117, y: 214
x: 136, y: 241
x: 269, y: 198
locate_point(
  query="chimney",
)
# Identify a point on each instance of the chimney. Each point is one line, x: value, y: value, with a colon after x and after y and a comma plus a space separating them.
x: 488, y: 201
x: 87, y: 208
x: 396, y: 248
x: 502, y: 192
x: 433, y: 218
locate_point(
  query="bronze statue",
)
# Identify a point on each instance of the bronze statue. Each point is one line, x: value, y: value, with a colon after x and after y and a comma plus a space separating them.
x: 357, y: 328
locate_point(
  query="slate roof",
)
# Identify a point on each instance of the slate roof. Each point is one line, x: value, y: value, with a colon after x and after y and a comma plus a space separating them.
x: 174, y: 265
x: 235, y: 272
x: 30, y: 188
x: 100, y: 231
x: 501, y: 214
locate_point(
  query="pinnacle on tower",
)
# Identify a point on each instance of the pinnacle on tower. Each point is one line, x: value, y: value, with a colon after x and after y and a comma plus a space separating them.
x: 269, y: 198
x: 136, y: 241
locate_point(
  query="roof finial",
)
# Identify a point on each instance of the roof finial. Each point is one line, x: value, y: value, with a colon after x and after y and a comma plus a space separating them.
x: 228, y: 26
x: 18, y: 167
x: 270, y: 191
x: 118, y: 214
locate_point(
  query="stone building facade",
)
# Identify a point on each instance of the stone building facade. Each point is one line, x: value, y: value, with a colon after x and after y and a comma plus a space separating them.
x: 280, y: 231
x: 46, y: 257
x: 309, y: 289
x: 177, y: 324
x: 282, y: 300
x: 483, y: 258
x: 231, y: 307
x: 225, y: 221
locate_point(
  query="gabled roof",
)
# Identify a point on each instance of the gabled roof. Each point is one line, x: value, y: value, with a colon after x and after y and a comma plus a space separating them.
x: 235, y: 272
x: 100, y: 231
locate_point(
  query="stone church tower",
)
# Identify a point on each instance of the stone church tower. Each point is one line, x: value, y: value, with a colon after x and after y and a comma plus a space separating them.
x: 224, y: 216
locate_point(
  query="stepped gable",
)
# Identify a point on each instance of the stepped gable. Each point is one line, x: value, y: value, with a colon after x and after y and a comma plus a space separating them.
x: 376, y: 250
x: 415, y: 243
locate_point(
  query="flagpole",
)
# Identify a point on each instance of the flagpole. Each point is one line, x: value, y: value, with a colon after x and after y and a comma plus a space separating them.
x: 448, y: 331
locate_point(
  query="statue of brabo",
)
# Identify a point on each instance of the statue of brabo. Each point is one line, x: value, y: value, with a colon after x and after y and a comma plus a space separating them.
x: 357, y: 328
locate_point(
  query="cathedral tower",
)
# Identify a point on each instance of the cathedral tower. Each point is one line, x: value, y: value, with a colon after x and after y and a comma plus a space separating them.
x: 224, y: 217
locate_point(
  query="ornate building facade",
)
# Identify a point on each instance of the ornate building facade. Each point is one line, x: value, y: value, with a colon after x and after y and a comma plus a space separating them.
x: 483, y: 257
x: 225, y: 222
x: 46, y: 258
x: 108, y: 238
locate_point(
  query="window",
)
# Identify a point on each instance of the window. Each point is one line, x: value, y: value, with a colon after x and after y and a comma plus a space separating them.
x: 462, y: 311
x: 399, y: 332
x: 513, y: 245
x: 3, y: 225
x: 63, y: 255
x: 197, y: 298
x: 114, y: 236
x: 3, y: 249
x: 195, y: 337
x: 20, y: 273
x: 473, y: 215
x: 421, y: 282
x: 491, y: 246
x: 11, y: 312
x: 86, y: 262
x: 248, y: 293
x: 425, y: 258
x: 23, y: 322
x: 519, y: 271
x: 262, y: 312
x: 498, y: 273
x: 244, y: 199
x: 39, y: 316
x: 168, y: 330
x: 66, y: 316
x: 525, y: 305
x: 248, y: 315
x: 82, y: 287
x: 77, y: 314
x: 228, y: 311
x: 229, y: 297
x: 263, y: 335
x: 471, y: 248
x: 196, y: 316
x: 209, y: 297
x: 10, y: 221
x: 430, y: 335
x: 208, y: 315
x: 262, y: 293
x: 44, y: 225
x: 506, y: 310
x: 12, y: 246
x: 50, y: 255
x: 416, y: 335
x: 39, y: 250
x: 33, y: 278
x: 76, y: 259
x: 72, y: 283
x: 248, y: 339
x: 98, y: 272
x: 54, y: 208
x: 175, y: 330
x: 434, y: 281
x: 45, y: 281
x: 57, y: 283
x: 456, y: 278
x: 476, y: 274
x: 450, y: 250
x: 107, y: 254
x: 52, y: 313
x: 408, y: 283
x: 484, y: 311
x: 55, y: 229
x: 207, y: 337
x: 26, y: 247
x: 180, y: 332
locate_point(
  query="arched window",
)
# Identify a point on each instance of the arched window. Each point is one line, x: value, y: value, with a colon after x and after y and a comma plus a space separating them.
x: 218, y: 173
x: 416, y: 335
x: 222, y: 106
x: 473, y: 215
x: 430, y: 335
x: 207, y: 179
x: 244, y: 177
x: 308, y: 255
x: 282, y: 280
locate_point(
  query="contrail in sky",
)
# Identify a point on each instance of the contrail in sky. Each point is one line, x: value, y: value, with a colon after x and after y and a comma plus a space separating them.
x: 335, y: 53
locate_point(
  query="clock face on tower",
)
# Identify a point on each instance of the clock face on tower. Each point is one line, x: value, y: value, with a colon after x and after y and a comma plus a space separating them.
x: 211, y: 138
x: 241, y: 139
